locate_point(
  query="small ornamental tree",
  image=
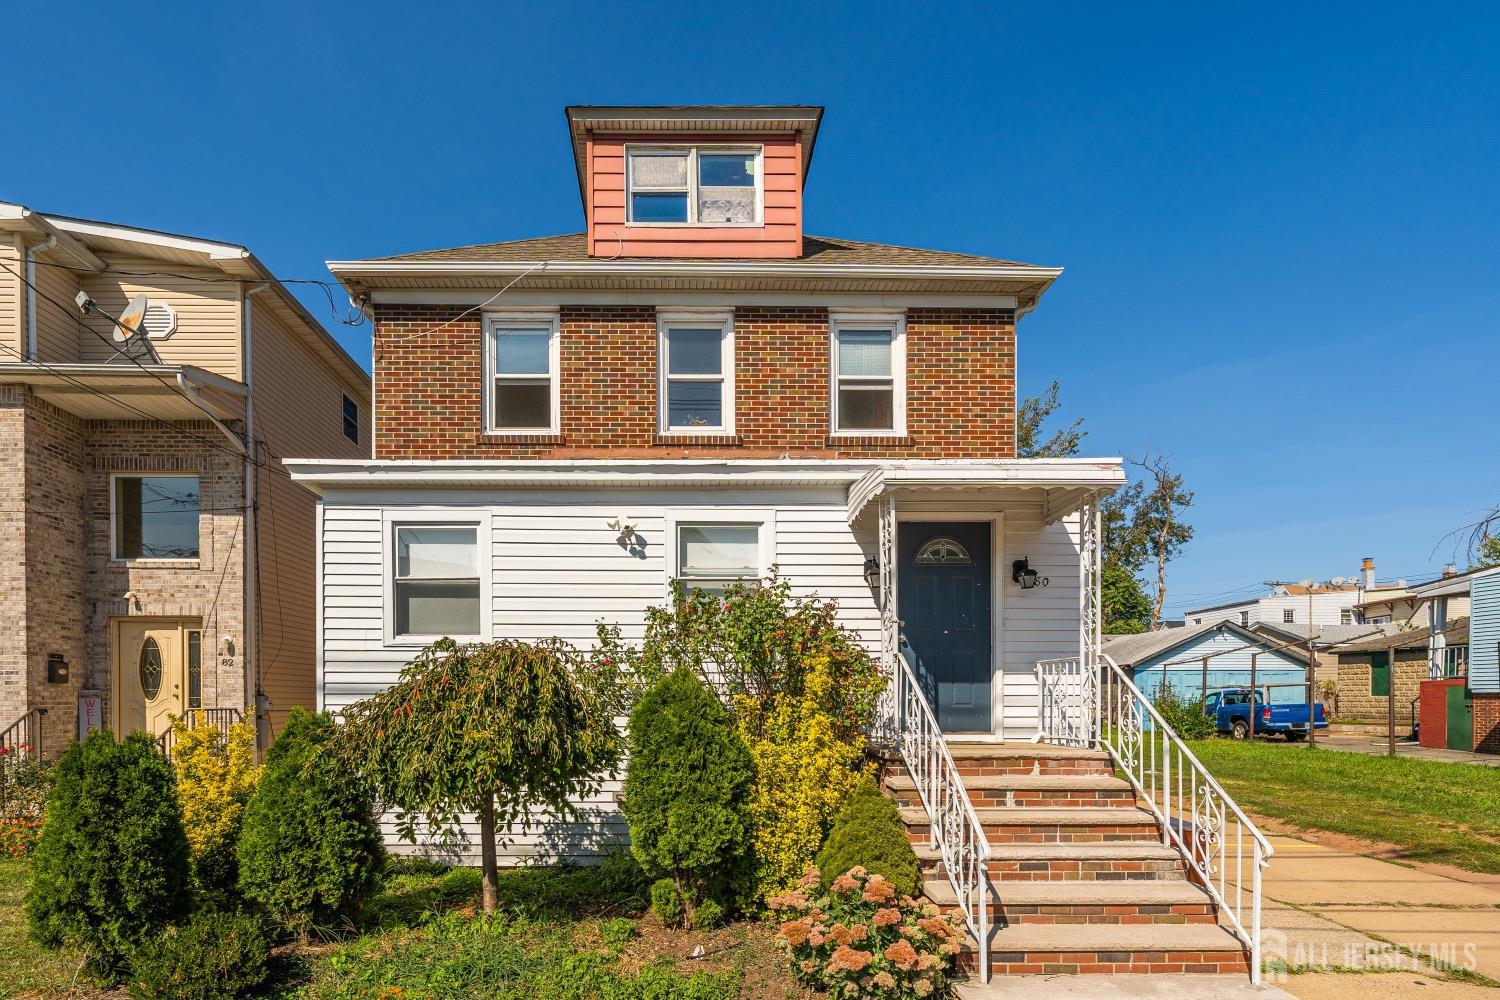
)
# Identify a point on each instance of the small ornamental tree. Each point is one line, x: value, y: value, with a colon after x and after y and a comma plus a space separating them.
x: 111, y: 867
x: 216, y: 775
x: 687, y: 790
x: 309, y: 849
x: 869, y: 834
x: 500, y: 729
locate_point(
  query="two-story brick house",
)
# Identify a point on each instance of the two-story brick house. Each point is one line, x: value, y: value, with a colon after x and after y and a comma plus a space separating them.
x: 155, y: 551
x: 693, y: 387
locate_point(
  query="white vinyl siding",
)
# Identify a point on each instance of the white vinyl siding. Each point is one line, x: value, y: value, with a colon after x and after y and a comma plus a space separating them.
x: 556, y: 568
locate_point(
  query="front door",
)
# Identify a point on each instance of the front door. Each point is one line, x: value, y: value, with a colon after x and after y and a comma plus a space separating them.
x: 1460, y: 717
x: 943, y: 579
x: 150, y: 675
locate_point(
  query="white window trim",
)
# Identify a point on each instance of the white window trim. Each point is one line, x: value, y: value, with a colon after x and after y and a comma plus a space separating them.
x: 698, y: 320
x: 497, y: 321
x: 458, y: 517
x: 692, y: 149
x: 763, y: 517
x: 114, y: 538
x: 896, y: 322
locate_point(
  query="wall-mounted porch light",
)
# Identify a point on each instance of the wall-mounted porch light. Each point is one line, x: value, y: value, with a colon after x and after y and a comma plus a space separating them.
x: 1022, y: 573
x: 872, y: 571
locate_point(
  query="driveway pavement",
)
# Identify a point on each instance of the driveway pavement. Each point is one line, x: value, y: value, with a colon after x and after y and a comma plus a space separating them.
x: 1378, y: 745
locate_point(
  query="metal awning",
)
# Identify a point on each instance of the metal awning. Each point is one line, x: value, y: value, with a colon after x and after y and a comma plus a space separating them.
x: 122, y: 391
x: 1067, y: 483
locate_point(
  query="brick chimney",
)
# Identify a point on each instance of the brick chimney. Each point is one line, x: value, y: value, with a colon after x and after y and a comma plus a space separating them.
x: 1367, y: 573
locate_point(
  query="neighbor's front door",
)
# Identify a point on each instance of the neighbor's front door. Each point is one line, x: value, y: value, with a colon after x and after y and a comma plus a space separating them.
x: 943, y: 579
x: 150, y: 675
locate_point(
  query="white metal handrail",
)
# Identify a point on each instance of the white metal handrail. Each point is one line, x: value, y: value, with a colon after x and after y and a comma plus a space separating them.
x: 1197, y: 817
x: 1450, y: 662
x: 908, y: 721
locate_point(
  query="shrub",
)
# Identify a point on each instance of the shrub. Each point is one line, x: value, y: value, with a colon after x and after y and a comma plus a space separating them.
x: 1185, y: 715
x: 111, y: 866
x: 667, y: 903
x: 310, y: 852
x: 215, y: 955
x: 709, y: 914
x: 686, y: 790
x: 216, y: 775
x: 863, y: 939
x: 869, y: 834
x: 804, y: 773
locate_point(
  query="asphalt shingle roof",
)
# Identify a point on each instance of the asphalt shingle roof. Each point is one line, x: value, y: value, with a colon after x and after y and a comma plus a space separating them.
x: 815, y: 250
x: 1457, y: 632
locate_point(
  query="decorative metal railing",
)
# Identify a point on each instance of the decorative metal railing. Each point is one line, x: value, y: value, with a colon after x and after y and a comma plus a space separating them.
x: 907, y: 720
x: 23, y: 738
x: 220, y: 718
x: 1100, y: 706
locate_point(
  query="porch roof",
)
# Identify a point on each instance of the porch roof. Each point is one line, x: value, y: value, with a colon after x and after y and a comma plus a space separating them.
x: 1068, y: 483
x: 129, y: 392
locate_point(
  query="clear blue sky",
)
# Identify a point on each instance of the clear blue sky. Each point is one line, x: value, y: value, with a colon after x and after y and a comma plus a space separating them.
x: 1280, y: 225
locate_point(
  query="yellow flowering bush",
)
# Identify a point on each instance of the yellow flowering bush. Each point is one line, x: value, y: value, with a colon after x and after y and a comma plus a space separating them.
x: 805, y: 771
x: 216, y: 775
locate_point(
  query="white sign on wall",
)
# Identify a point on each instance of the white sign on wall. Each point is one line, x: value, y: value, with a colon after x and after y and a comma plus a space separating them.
x: 90, y: 712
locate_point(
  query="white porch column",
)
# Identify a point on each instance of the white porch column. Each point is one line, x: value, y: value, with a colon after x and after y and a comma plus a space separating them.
x: 1090, y: 598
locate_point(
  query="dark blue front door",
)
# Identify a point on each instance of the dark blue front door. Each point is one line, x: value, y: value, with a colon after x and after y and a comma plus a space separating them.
x: 943, y: 578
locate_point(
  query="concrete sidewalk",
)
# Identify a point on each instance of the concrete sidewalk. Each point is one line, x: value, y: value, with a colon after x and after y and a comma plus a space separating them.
x: 1379, y: 746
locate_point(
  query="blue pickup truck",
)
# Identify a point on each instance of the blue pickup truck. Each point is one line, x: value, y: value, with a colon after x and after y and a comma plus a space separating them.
x: 1231, y: 709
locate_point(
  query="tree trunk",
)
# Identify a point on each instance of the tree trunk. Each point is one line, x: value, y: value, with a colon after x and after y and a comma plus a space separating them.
x: 1161, y: 573
x: 487, y: 854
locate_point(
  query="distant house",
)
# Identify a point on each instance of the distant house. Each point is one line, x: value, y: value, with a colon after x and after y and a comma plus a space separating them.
x: 1330, y: 603
x: 1460, y: 699
x: 1372, y: 672
x: 1197, y: 659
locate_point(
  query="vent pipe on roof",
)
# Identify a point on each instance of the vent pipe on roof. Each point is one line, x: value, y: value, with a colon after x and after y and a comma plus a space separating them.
x: 1367, y: 573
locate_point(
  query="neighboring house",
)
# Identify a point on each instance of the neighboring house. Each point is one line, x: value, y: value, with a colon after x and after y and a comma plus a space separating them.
x: 693, y: 388
x: 158, y: 554
x: 1373, y: 672
x: 1460, y: 698
x: 1330, y: 603
x: 1326, y: 639
x: 1196, y: 660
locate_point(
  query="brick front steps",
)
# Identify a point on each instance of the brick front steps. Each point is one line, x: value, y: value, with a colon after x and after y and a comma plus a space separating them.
x: 1079, y: 880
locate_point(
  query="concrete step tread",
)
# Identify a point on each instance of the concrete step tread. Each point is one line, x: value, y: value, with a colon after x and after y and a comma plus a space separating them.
x: 1113, y: 937
x: 968, y: 750
x: 1152, y: 892
x: 1029, y: 782
x: 1145, y: 850
x: 1118, y: 987
x: 1031, y: 816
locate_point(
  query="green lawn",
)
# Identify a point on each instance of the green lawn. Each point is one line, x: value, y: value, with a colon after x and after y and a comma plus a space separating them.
x: 26, y: 968
x: 1446, y: 813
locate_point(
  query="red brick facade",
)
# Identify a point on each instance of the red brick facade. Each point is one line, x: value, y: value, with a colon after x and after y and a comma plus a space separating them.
x: 1487, y: 722
x: 960, y: 398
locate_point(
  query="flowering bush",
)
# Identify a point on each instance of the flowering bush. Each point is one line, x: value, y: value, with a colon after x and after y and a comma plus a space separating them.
x: 863, y: 939
x: 24, y: 781
x: 804, y: 774
x: 216, y: 775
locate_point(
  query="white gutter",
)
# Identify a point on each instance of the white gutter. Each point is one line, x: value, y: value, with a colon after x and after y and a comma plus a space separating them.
x: 190, y: 391
x: 31, y: 296
x: 652, y: 269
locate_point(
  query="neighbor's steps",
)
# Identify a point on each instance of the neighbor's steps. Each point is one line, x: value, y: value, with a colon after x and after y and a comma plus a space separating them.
x: 1079, y: 879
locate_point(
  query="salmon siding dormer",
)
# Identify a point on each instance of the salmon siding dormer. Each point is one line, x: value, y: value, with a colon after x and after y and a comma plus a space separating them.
x: 693, y: 183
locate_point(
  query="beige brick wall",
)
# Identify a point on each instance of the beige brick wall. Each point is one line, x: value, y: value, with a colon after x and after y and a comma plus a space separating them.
x: 1408, y: 671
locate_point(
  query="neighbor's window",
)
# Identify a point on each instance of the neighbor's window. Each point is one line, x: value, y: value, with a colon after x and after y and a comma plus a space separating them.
x: 524, y: 362
x: 705, y: 186
x: 710, y: 557
x: 351, y: 420
x: 868, y: 376
x: 1346, y: 616
x: 195, y: 669
x: 697, y: 375
x: 1244, y: 618
x: 437, y: 580
x: 156, y: 517
x: 1288, y: 616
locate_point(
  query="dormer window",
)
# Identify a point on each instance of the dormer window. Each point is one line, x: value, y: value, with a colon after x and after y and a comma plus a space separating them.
x: 693, y: 186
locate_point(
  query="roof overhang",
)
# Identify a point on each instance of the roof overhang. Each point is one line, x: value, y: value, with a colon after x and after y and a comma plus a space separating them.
x: 1451, y: 586
x: 727, y: 119
x: 1067, y: 483
x: 1026, y: 283
x: 103, y: 392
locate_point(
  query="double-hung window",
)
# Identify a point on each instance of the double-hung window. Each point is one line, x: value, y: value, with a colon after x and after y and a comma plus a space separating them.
x: 155, y: 516
x: 712, y: 552
x: 694, y: 186
x: 523, y: 363
x: 437, y: 589
x: 869, y: 374
x: 696, y: 361
x: 351, y: 420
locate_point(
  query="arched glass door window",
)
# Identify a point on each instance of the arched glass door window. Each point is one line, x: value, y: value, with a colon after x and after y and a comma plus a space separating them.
x: 943, y: 551
x: 150, y: 669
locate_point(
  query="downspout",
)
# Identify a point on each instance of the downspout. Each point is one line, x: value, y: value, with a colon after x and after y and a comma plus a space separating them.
x: 31, y: 297
x: 191, y: 392
x: 262, y: 704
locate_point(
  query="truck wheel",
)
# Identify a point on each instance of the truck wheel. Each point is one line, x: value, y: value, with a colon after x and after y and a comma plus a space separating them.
x: 1240, y: 729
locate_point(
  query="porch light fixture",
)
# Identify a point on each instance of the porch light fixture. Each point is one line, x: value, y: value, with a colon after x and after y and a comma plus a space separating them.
x: 1022, y: 573
x: 872, y: 570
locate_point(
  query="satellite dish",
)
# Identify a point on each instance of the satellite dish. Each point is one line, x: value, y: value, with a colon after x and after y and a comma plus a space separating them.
x: 1309, y: 584
x: 132, y: 317
x: 1338, y: 581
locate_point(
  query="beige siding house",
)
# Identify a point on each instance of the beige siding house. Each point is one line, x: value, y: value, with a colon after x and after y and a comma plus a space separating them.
x: 157, y: 556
